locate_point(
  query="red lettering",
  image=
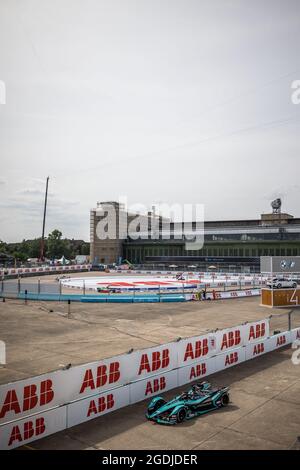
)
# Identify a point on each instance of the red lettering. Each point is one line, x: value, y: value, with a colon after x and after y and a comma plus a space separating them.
x: 230, y: 339
x: 155, y: 386
x: 144, y: 365
x: 231, y: 358
x: 92, y: 408
x: 155, y: 360
x: 258, y: 349
x: 159, y: 360
x: 47, y: 394
x: 28, y: 430
x: 11, y: 403
x: 101, y: 376
x: 114, y: 372
x: 281, y: 340
x: 30, y: 397
x: 189, y: 353
x: 198, y: 370
x: 15, y: 435
x: 201, y: 349
x: 251, y: 333
x: 103, y: 403
x: 88, y: 381
x: 148, y: 388
x: 40, y: 426
x: 165, y: 358
x: 110, y: 401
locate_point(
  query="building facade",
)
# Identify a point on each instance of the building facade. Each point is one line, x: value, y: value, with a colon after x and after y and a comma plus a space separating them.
x: 226, y: 243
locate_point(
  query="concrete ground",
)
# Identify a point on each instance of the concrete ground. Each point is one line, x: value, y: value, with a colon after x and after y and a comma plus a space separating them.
x: 40, y: 336
x: 264, y: 413
x: 265, y: 392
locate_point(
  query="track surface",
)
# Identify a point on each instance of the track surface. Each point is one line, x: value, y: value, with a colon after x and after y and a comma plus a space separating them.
x: 264, y: 414
x: 265, y: 392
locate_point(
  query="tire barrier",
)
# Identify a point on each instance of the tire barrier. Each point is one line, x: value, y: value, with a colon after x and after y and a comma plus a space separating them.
x: 39, y: 406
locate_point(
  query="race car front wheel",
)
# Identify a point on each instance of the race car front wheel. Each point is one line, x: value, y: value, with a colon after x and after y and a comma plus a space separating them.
x: 181, y: 414
x: 225, y: 400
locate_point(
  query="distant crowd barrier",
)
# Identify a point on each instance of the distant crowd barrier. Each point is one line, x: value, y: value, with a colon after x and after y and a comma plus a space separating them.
x: 39, y: 406
x: 44, y: 269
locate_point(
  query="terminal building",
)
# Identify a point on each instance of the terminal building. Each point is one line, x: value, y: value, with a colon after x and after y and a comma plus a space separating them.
x: 229, y: 245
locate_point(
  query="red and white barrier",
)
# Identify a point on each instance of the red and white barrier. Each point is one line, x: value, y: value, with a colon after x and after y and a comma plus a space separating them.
x: 97, y: 405
x: 36, y: 407
x: 24, y: 431
x: 44, y: 269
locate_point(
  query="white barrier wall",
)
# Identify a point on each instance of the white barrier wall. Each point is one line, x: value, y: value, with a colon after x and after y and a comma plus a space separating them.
x: 23, y: 431
x: 65, y: 398
x: 45, y: 269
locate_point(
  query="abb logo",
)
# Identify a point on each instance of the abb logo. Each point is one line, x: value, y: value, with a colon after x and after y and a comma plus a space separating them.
x: 32, y: 396
x: 158, y: 360
x: 198, y: 371
x: 200, y: 348
x: 103, y: 403
x: 230, y: 339
x: 155, y: 385
x: 29, y: 430
x: 258, y: 349
x: 257, y: 331
x: 104, y: 374
x: 231, y: 358
x: 233, y: 294
x: 281, y: 340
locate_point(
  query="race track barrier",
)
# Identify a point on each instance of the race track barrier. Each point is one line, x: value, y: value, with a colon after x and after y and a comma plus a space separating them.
x: 39, y: 406
x: 137, y: 298
x: 44, y: 270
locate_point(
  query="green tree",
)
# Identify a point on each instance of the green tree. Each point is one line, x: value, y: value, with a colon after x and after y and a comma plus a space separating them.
x: 19, y: 256
x: 55, y: 244
x: 3, y: 247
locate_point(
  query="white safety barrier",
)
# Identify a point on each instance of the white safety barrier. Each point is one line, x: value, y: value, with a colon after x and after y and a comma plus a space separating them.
x: 225, y: 295
x: 44, y: 269
x: 39, y: 406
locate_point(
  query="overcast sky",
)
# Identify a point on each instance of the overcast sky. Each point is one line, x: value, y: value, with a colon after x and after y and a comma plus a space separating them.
x: 177, y: 101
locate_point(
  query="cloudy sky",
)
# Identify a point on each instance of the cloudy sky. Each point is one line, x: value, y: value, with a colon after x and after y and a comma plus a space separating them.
x: 173, y: 101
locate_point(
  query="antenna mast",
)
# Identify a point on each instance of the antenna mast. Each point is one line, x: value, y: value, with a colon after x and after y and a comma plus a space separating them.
x: 44, y: 221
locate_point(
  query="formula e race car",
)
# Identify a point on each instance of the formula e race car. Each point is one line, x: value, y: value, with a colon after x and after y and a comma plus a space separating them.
x: 199, y: 399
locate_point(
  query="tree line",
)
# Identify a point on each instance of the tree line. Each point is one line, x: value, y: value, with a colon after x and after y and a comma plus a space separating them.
x: 55, y: 247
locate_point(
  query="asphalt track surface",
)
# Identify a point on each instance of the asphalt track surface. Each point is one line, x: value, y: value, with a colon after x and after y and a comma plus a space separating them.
x: 264, y: 413
x: 265, y: 392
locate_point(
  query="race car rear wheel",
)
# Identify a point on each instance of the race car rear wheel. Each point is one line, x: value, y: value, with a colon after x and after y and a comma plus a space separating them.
x: 181, y: 414
x: 225, y: 400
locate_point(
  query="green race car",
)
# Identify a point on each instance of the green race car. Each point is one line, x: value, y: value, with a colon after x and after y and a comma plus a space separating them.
x: 199, y: 399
